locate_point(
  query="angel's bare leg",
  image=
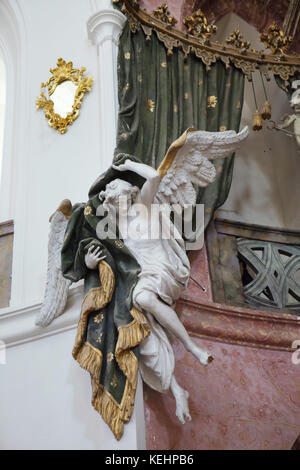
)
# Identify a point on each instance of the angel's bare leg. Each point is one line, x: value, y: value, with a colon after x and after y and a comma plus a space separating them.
x: 168, y: 318
x: 182, y: 404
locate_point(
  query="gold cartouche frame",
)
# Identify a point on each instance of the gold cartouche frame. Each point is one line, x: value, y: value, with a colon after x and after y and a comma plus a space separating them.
x: 64, y: 71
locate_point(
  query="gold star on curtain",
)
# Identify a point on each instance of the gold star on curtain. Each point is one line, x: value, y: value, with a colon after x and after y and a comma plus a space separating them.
x: 212, y: 101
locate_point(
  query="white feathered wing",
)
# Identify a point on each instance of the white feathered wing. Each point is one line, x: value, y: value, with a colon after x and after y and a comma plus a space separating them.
x: 57, y: 287
x: 192, y: 165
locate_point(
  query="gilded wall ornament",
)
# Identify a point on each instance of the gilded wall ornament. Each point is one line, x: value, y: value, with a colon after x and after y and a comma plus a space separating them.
x: 162, y: 13
x: 65, y: 89
x: 198, y: 26
x: 275, y: 40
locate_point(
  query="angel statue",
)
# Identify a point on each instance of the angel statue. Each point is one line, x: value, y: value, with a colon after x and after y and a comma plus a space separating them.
x: 287, y: 119
x: 131, y: 283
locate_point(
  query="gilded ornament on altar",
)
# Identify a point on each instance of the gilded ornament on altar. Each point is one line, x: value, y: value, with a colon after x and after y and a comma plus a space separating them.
x: 236, y: 40
x: 275, y: 40
x: 212, y: 101
x: 198, y: 26
x: 162, y: 13
x: 65, y: 89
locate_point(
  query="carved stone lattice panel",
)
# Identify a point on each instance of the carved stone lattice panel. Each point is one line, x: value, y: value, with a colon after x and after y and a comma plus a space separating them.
x: 270, y: 273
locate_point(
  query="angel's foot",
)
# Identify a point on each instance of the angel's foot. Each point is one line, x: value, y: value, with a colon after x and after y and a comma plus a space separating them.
x: 182, y: 405
x: 203, y: 356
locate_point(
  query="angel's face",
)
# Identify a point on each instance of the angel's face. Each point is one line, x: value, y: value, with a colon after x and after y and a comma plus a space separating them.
x: 118, y: 191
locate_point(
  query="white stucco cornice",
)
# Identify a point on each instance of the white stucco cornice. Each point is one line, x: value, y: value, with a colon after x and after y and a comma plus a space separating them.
x: 105, y: 25
x: 17, y: 325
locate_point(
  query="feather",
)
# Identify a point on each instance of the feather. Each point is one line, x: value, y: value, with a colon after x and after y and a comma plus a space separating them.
x: 192, y: 164
x: 57, y: 287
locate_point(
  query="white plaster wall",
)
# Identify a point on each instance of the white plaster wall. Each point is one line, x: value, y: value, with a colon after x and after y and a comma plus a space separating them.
x: 55, y: 166
x: 265, y: 187
x: 45, y: 401
x: 44, y: 395
x: 2, y: 106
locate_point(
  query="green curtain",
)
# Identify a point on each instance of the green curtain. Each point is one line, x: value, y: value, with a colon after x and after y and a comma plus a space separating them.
x: 160, y: 96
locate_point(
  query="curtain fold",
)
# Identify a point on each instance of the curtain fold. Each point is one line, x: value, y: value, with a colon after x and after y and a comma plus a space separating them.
x: 160, y: 96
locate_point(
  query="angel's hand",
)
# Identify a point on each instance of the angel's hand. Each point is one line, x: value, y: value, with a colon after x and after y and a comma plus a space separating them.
x: 93, y: 257
x: 124, y: 166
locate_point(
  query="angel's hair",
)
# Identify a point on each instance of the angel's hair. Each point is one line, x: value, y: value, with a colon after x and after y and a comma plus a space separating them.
x: 115, y: 189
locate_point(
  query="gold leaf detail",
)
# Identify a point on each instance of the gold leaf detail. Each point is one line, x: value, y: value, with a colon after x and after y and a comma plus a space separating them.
x: 163, y: 65
x: 175, y: 108
x: 212, y: 101
x: 99, y: 318
x: 162, y: 13
x: 223, y: 128
x: 186, y: 96
x: 99, y: 339
x: 150, y: 105
x: 88, y: 210
x: 140, y: 79
x: 119, y: 244
x: 275, y: 40
x: 236, y: 40
x: 110, y: 357
x: 127, y: 55
x: 114, y: 382
x: 198, y: 26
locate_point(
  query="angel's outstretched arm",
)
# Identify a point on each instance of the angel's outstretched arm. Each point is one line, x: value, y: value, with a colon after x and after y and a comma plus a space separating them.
x: 151, y: 176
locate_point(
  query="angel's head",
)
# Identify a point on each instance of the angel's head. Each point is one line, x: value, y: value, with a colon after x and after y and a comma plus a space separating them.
x: 118, y: 191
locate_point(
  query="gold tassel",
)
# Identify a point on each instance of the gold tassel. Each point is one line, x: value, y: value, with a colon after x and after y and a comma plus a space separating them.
x: 266, y: 111
x: 257, y: 121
